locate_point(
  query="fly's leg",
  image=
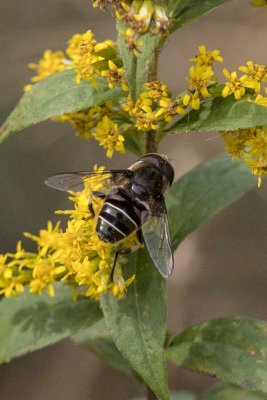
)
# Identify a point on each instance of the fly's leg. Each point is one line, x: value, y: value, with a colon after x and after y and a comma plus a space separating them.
x: 121, y: 252
x: 100, y: 195
x: 140, y: 236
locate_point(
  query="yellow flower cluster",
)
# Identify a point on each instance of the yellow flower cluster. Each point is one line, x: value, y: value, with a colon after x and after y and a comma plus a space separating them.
x: 108, y: 136
x: 249, y: 145
x: 259, y: 3
x: 254, y: 75
x: 89, y: 59
x: 115, y: 75
x: 154, y: 107
x: 109, y: 123
x: 201, y: 75
x: 84, y: 122
x: 138, y: 17
x: 75, y: 255
x: 51, y: 63
x: 261, y: 100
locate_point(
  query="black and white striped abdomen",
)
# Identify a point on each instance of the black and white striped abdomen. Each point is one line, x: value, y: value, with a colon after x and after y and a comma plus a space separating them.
x: 116, y: 220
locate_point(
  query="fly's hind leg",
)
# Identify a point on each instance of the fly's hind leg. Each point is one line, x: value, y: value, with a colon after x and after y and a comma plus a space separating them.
x: 121, y: 252
x: 140, y: 236
x: 100, y: 195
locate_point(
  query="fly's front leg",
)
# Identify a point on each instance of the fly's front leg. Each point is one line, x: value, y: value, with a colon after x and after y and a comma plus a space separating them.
x: 100, y: 195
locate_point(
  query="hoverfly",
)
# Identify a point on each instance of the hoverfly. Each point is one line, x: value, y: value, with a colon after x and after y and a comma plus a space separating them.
x: 133, y: 202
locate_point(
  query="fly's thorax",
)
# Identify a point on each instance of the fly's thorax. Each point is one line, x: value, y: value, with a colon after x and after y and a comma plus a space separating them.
x: 148, y: 181
x: 152, y: 172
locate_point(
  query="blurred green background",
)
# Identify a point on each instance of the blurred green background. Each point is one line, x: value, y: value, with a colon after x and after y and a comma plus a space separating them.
x: 220, y: 270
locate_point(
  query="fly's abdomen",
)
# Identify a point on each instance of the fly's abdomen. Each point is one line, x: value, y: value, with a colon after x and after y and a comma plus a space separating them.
x: 116, y: 221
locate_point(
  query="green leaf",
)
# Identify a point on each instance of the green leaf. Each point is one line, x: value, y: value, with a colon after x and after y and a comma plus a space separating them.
x: 139, y: 69
x: 97, y: 338
x: 135, y: 142
x: 31, y: 322
x: 222, y: 114
x: 233, y: 349
x: 56, y: 95
x: 203, y: 192
x: 185, y: 11
x: 225, y: 391
x: 137, y: 322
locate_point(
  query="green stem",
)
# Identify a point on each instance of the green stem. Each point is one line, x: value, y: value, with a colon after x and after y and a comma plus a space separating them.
x: 151, y: 142
x: 152, y: 147
x: 151, y: 136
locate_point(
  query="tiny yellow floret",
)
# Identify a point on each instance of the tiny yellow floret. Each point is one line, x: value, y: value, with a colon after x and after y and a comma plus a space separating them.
x: 234, y: 85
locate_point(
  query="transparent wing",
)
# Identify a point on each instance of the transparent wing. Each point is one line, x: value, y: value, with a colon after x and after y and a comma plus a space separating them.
x: 156, y: 235
x: 74, y: 181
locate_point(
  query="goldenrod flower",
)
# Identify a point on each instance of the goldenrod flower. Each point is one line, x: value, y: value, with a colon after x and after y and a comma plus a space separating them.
x: 156, y: 90
x: 140, y: 17
x: 50, y: 63
x: 251, y: 146
x: 200, y: 77
x: 234, y: 85
x: 115, y: 75
x: 88, y: 56
x: 129, y: 106
x: 261, y: 100
x: 147, y: 122
x: 108, y: 136
x: 136, y: 16
x: 206, y: 57
x: 169, y: 108
x: 102, y: 4
x: 85, y: 121
x: 191, y: 99
x: 142, y: 110
x: 255, y: 74
x: 154, y: 107
x: 119, y: 285
x: 47, y: 237
x: 259, y: 3
x: 80, y: 45
x: 143, y: 17
x: 132, y: 41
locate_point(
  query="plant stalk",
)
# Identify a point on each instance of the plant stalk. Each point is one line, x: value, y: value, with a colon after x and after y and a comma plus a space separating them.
x: 151, y: 136
x: 152, y: 147
x: 151, y: 142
